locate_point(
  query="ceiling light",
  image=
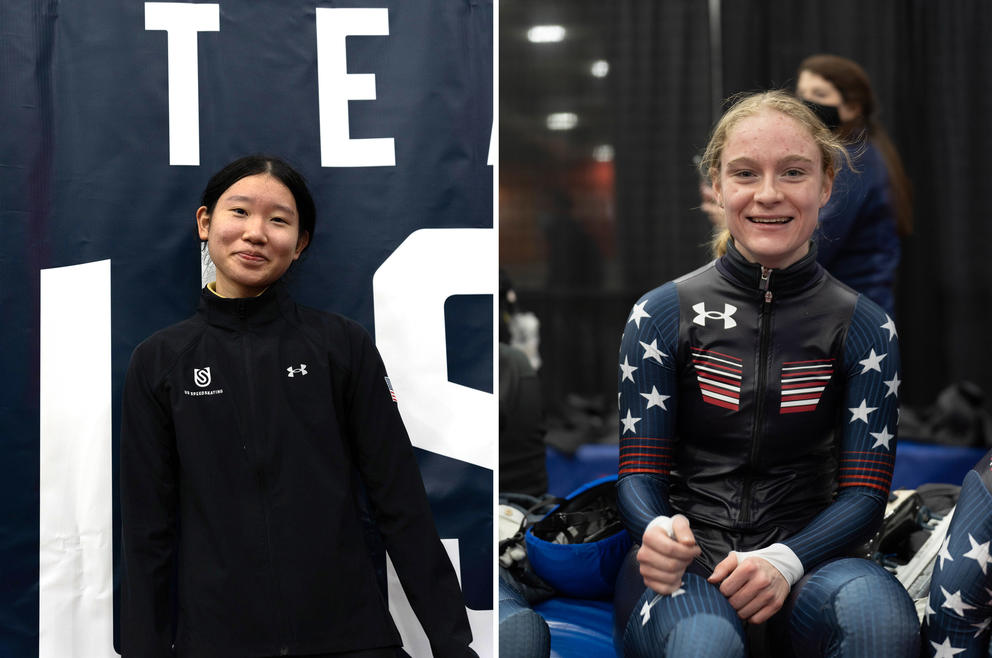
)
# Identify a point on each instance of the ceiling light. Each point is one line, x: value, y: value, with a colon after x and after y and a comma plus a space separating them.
x: 562, y: 120
x: 546, y: 33
x: 600, y: 68
x: 603, y: 153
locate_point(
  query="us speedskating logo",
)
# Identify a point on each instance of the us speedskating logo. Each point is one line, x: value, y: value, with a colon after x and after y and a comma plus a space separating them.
x: 201, y: 377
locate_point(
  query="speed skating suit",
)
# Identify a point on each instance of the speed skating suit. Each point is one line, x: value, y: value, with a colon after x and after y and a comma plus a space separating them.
x: 762, y: 404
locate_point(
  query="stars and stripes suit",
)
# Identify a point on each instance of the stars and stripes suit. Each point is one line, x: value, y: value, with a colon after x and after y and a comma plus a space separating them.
x: 959, y: 609
x: 762, y: 404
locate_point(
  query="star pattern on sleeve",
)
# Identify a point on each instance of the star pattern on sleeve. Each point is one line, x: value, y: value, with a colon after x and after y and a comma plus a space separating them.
x: 890, y: 326
x: 893, y: 385
x: 628, y: 370
x: 862, y: 411
x: 871, y: 356
x: 655, y: 399
x: 651, y: 351
x: 882, y: 438
x: 638, y: 313
x: 873, y: 362
x: 629, y: 423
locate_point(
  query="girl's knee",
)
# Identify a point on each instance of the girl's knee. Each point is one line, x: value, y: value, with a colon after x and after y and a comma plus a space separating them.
x: 874, y: 612
x: 700, y: 634
x: 705, y: 635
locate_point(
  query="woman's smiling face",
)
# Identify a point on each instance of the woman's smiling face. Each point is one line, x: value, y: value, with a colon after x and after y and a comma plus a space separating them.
x: 772, y: 184
x: 253, y: 235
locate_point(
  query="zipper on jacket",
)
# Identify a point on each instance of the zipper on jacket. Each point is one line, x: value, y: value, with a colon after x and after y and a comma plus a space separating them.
x: 764, y: 338
x: 258, y: 466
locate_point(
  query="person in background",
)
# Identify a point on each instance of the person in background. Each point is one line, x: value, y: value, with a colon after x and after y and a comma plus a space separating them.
x: 758, y: 411
x: 522, y: 456
x: 959, y: 610
x: 244, y: 432
x: 858, y: 240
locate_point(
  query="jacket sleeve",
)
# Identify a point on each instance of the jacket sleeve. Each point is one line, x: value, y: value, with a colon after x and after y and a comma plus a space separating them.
x: 647, y: 402
x: 837, y: 218
x: 149, y: 495
x: 389, y: 470
x: 868, y: 440
x: 859, y: 202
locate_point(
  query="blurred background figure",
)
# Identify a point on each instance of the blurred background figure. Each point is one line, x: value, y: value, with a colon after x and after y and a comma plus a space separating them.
x: 858, y: 238
x: 521, y: 429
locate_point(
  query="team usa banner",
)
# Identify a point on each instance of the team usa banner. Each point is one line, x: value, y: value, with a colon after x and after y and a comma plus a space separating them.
x: 113, y: 115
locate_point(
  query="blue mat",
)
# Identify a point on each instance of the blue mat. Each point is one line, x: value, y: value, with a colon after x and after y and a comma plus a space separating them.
x: 579, y: 628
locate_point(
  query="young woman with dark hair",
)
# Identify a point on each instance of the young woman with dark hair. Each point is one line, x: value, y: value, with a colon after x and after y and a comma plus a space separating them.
x: 871, y: 207
x: 245, y: 430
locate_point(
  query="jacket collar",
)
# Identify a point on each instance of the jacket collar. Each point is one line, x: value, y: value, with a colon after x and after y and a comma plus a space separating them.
x: 243, y: 312
x: 800, y: 276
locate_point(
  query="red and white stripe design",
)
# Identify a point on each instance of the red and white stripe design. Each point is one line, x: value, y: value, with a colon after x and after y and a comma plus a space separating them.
x: 719, y: 377
x: 803, y: 383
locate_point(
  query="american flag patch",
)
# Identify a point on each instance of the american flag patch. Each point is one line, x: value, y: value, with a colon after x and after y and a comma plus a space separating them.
x: 803, y: 383
x: 389, y: 385
x: 719, y: 377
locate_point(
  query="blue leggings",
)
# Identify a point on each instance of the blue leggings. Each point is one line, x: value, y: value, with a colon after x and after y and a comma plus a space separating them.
x: 850, y: 608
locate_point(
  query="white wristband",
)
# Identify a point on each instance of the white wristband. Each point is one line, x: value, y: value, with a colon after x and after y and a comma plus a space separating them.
x: 663, y: 522
x: 779, y: 556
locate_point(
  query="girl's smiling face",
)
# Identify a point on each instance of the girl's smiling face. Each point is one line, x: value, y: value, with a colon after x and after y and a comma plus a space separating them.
x: 772, y: 185
x: 253, y: 235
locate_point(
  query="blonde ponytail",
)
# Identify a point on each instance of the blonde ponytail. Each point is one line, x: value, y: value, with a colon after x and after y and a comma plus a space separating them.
x: 718, y: 245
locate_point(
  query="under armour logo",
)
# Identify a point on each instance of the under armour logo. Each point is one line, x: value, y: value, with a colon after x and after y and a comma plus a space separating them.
x: 703, y: 315
x: 201, y: 377
x: 301, y: 371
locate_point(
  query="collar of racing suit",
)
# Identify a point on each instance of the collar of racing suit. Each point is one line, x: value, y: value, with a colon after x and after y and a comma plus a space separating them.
x: 240, y: 312
x: 792, y: 280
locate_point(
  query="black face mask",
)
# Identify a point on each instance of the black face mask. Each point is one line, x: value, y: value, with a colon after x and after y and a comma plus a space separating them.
x: 828, y: 114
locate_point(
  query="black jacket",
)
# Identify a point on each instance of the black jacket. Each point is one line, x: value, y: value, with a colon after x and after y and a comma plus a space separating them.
x: 243, y: 430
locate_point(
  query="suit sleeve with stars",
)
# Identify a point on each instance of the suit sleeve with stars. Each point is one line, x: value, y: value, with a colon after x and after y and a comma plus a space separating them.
x: 867, y: 442
x: 647, y: 405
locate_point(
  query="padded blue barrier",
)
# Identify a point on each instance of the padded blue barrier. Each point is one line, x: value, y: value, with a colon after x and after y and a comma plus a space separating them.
x: 920, y: 463
x: 580, y: 628
x: 590, y: 462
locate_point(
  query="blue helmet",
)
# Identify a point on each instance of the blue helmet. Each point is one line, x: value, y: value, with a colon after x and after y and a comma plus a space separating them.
x: 579, y: 546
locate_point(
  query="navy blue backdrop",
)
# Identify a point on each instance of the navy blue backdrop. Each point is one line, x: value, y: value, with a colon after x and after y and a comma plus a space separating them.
x: 85, y: 176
